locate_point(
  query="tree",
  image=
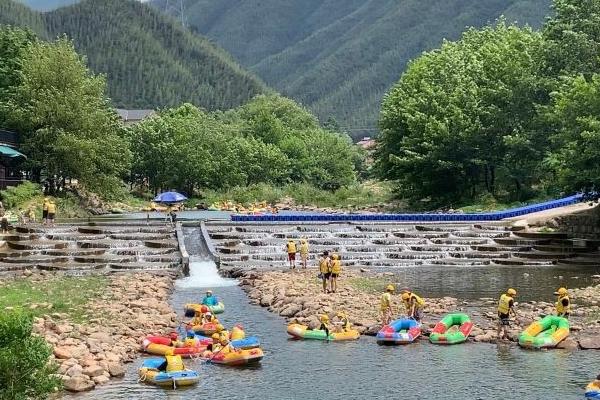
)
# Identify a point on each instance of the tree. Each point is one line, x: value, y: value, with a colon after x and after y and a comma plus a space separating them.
x: 65, y: 119
x: 459, y: 113
x: 25, y: 371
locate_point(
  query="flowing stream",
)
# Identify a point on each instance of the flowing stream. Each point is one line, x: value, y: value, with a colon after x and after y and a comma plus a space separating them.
x: 360, y: 369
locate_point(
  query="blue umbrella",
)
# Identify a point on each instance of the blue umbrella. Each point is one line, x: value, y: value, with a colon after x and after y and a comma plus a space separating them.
x: 170, y: 197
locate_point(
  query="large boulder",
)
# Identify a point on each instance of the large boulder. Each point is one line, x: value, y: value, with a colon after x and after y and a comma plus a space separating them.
x: 116, y: 369
x: 79, y: 383
x: 290, y: 310
x: 589, y: 342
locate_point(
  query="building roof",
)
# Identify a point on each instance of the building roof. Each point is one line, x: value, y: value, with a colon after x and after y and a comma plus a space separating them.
x: 10, y: 138
x: 134, y: 115
x: 366, y: 143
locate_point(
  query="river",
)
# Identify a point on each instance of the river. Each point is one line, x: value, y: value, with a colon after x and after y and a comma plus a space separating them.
x: 361, y: 369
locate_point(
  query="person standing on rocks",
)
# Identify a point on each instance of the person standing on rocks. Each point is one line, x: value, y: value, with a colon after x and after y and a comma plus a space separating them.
x: 506, y: 305
x: 414, y: 305
x: 304, y: 252
x: 291, y: 252
x: 386, y: 305
x: 336, y: 270
x: 324, y: 267
x: 45, y: 210
x: 563, y: 303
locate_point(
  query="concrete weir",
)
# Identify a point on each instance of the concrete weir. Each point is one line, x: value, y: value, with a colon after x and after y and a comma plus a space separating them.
x: 393, y: 245
x: 98, y: 247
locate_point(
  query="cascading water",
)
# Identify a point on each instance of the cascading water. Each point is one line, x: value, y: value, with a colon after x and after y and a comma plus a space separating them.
x: 204, y: 274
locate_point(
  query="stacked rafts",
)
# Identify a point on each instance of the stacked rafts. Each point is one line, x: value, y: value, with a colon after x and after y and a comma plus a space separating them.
x: 399, y: 245
x: 91, y: 248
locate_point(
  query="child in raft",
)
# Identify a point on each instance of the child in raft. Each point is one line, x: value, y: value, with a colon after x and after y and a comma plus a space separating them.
x: 324, y: 324
x: 343, y: 323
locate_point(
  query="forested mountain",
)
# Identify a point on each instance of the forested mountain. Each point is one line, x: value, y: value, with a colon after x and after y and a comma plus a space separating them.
x: 338, y: 57
x: 150, y: 60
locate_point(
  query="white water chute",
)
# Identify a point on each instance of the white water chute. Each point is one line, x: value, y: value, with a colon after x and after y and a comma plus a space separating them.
x: 204, y: 274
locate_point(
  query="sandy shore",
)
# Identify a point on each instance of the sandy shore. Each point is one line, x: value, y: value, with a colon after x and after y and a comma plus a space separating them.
x: 297, y: 296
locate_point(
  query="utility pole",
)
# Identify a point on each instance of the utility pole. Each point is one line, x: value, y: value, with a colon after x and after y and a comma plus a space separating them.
x: 176, y: 8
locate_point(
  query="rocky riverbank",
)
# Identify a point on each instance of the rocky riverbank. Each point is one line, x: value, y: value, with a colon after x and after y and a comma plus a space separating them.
x: 297, y: 296
x: 92, y: 353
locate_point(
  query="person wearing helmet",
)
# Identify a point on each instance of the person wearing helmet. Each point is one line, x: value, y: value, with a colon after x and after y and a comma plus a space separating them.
x: 506, y: 306
x: 304, y: 252
x: 324, y: 267
x: 45, y: 210
x: 324, y: 323
x: 336, y: 270
x: 291, y: 252
x: 215, y: 345
x: 209, y: 299
x: 414, y: 305
x: 563, y: 303
x: 343, y: 322
x: 198, y: 319
x: 208, y: 318
x: 386, y: 305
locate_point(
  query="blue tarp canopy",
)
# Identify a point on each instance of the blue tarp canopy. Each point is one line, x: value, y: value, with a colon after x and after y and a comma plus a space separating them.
x: 170, y: 197
x: 10, y: 152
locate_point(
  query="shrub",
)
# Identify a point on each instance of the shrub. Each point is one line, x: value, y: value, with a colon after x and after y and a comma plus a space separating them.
x: 14, y: 196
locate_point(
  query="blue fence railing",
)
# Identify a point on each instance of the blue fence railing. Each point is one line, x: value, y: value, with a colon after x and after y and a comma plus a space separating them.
x: 437, y: 217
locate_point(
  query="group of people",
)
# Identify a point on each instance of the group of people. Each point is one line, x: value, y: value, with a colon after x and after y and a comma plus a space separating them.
x: 291, y: 248
x: 48, y: 211
x: 330, y: 268
x: 506, y: 308
x: 413, y: 304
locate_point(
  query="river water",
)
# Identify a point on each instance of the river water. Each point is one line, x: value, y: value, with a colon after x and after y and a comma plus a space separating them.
x: 362, y: 369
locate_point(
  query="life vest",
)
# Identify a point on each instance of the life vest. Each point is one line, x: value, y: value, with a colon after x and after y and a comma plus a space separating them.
x: 45, y: 205
x: 324, y: 265
x: 504, y: 304
x: 189, y: 342
x: 304, y: 248
x: 419, y: 301
x: 560, y: 309
x: 291, y: 247
x: 346, y: 324
x: 51, y: 208
x: 386, y: 299
x: 336, y: 266
x: 174, y: 363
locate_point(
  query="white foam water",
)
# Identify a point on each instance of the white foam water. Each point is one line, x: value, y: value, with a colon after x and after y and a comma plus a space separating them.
x: 204, y: 274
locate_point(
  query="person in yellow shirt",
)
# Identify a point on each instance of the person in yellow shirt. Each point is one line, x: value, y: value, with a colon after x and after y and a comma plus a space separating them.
x: 324, y: 267
x: 343, y: 322
x: 31, y: 215
x: 563, y: 303
x: 324, y: 324
x: 506, y: 306
x: 414, y: 305
x: 51, y: 212
x: 386, y: 305
x: 304, y: 252
x: 291, y: 252
x: 45, y: 210
x: 336, y: 270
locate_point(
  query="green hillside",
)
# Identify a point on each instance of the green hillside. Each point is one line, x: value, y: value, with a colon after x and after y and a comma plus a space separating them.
x: 339, y: 57
x: 150, y: 60
x: 47, y: 5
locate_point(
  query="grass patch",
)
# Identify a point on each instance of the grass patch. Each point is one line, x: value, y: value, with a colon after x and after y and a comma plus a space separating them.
x: 488, y: 203
x: 369, y: 285
x: 68, y: 295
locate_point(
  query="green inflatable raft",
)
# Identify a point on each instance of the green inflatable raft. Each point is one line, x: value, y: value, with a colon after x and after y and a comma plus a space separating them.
x: 452, y: 329
x: 547, y: 332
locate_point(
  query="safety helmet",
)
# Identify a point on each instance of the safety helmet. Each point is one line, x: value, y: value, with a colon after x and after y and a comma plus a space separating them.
x: 335, y: 256
x: 561, y: 292
x: 405, y: 296
x: 209, y: 291
x: 341, y: 314
x: 511, y: 292
x: 216, y: 336
x: 324, y: 317
x: 390, y: 288
x: 303, y: 240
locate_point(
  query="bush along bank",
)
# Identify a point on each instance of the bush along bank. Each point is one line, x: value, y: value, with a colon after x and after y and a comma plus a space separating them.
x: 297, y: 297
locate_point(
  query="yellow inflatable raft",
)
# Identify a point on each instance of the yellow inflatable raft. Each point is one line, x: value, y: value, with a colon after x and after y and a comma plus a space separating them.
x: 298, y: 331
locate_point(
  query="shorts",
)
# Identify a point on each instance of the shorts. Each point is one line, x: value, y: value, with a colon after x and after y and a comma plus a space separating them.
x: 504, y: 319
x: 326, y: 276
x: 45, y: 214
x: 418, y: 314
x: 291, y: 256
x: 334, y: 275
x: 50, y: 215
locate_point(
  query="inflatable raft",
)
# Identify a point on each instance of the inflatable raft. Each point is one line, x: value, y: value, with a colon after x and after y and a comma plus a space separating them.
x: 208, y: 328
x: 235, y: 358
x: 592, y: 390
x: 547, y: 332
x: 452, y: 329
x: 154, y: 371
x: 401, y: 331
x: 298, y: 331
x: 191, y: 309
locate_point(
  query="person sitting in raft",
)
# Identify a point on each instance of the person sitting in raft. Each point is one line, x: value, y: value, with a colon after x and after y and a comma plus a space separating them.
x: 594, y: 385
x: 304, y: 252
x: 291, y: 252
x: 563, y: 303
x: 343, y: 322
x: 324, y: 324
x: 191, y: 340
x: 215, y: 345
x: 209, y: 318
x: 386, y: 305
x: 198, y: 319
x: 324, y: 267
x: 414, y: 305
x: 209, y: 299
x: 506, y: 305
x: 336, y: 270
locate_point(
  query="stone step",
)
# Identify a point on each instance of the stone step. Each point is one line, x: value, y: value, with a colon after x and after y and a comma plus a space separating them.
x: 582, y: 261
x: 541, y: 235
x: 541, y: 255
x: 521, y: 261
x: 36, y: 244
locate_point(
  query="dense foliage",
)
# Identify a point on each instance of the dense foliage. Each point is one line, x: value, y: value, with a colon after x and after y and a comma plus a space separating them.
x: 504, y: 111
x: 338, y: 57
x: 149, y: 59
x: 269, y: 140
x: 25, y: 372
